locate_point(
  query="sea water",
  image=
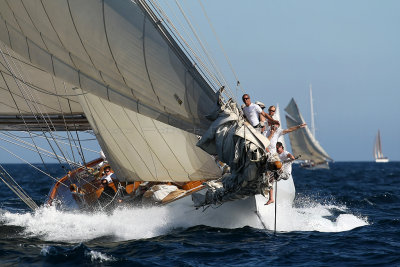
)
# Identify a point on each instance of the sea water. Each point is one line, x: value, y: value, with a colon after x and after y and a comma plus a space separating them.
x: 348, y: 215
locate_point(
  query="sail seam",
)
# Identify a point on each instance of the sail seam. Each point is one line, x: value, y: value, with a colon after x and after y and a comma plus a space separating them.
x: 56, y: 33
x: 111, y: 136
x: 171, y: 149
x: 109, y: 47
x: 145, y: 60
x: 155, y: 154
x: 144, y: 162
x: 80, y: 39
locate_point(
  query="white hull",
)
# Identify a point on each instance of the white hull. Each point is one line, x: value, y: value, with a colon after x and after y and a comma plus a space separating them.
x: 382, y: 160
x: 316, y: 167
x: 235, y: 214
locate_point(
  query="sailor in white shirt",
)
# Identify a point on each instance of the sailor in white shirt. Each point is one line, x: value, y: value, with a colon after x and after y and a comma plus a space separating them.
x: 284, y: 156
x: 273, y: 133
x: 253, y: 113
x: 108, y: 175
x: 286, y: 167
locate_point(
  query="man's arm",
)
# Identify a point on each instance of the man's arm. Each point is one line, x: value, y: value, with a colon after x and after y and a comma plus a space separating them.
x: 270, y: 118
x: 271, y: 133
x: 294, y: 128
x: 290, y: 156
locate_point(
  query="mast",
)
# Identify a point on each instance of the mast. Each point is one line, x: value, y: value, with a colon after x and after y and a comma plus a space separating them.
x: 312, y: 113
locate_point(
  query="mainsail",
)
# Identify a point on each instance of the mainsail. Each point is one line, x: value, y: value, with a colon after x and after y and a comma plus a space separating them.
x: 378, y: 155
x: 302, y: 141
x: 142, y: 96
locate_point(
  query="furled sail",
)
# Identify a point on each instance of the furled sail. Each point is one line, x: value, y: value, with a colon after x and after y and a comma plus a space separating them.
x: 143, y: 97
x: 302, y: 141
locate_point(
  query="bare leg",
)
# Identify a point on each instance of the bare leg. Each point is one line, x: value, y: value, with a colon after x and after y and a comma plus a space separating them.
x: 271, y: 198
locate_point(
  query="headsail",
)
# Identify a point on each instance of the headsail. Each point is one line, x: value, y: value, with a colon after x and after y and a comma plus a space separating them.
x: 142, y: 148
x: 118, y: 54
x: 302, y: 141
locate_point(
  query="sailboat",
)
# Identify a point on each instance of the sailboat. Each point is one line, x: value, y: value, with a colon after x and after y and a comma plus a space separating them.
x: 378, y: 155
x: 115, y: 68
x: 303, y: 141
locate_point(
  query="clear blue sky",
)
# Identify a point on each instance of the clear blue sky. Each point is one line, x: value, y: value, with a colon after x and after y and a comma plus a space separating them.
x: 348, y: 50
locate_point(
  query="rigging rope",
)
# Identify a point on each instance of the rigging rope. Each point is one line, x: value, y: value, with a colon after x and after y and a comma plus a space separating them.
x: 32, y: 98
x: 198, y: 61
x: 215, y: 67
x: 44, y: 151
x: 222, y: 48
x: 19, y: 111
x: 55, y: 179
x: 16, y: 188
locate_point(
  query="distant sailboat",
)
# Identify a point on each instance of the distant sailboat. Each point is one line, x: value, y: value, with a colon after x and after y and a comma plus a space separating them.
x: 303, y: 141
x: 378, y: 150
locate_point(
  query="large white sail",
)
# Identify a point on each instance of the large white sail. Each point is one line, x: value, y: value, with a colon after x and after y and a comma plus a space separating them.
x: 302, y: 141
x: 122, y: 58
x: 142, y: 148
x: 112, y: 49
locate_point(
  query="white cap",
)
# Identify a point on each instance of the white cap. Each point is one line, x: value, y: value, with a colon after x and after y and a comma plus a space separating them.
x: 261, y: 104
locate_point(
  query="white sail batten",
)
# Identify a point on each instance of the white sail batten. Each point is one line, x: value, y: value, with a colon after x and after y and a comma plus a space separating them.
x: 302, y: 141
x: 145, y: 149
x: 111, y: 49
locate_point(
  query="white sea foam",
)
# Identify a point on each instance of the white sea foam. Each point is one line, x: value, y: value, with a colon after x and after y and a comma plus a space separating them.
x: 45, y: 250
x: 96, y: 256
x: 312, y: 216
x: 51, y: 224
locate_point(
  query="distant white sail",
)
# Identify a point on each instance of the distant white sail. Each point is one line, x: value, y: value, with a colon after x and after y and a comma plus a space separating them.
x: 378, y: 155
x: 302, y: 141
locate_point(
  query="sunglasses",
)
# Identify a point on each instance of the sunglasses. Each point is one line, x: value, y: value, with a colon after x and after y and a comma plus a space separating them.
x: 107, y: 171
x: 246, y: 98
x: 272, y: 110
